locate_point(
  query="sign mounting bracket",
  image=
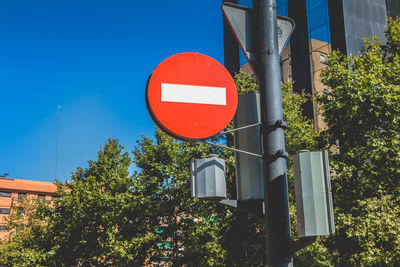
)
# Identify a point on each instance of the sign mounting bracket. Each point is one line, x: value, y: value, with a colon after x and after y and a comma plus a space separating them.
x: 232, y: 149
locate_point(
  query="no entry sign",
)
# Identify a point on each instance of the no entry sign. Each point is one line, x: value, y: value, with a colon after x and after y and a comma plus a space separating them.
x: 191, y: 96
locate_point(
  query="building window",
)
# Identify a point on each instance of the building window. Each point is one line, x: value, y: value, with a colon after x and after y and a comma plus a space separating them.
x: 164, y: 245
x: 159, y: 230
x: 4, y: 228
x: 42, y: 197
x: 21, y: 196
x: 5, y: 194
x: 21, y: 211
x: 54, y: 198
x: 322, y: 58
x: 4, y: 211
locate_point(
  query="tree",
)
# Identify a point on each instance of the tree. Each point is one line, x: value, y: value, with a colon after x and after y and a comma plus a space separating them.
x: 26, y: 223
x: 107, y: 217
x: 94, y: 223
x: 362, y: 113
x: 164, y: 184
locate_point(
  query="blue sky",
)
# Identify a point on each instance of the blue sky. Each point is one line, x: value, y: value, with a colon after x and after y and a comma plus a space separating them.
x: 93, y: 58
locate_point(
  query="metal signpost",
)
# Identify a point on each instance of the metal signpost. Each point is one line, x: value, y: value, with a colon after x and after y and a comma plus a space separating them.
x: 276, y: 200
x: 192, y: 97
x: 257, y: 32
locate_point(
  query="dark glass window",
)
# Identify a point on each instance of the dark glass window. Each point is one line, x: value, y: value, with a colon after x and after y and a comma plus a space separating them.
x: 21, y: 211
x: 21, y: 195
x: 4, y: 211
x: 393, y: 8
x: 5, y: 194
x: 4, y: 228
x: 42, y: 197
x: 54, y: 198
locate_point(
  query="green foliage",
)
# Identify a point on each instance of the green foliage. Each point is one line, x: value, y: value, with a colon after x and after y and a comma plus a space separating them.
x: 370, y: 232
x: 107, y: 217
x: 246, y: 83
x: 27, y: 226
x: 93, y: 223
x: 362, y: 113
x: 21, y: 252
x: 94, y: 218
x: 164, y: 186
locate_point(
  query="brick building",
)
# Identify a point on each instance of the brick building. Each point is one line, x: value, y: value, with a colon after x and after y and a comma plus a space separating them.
x: 12, y: 190
x: 318, y: 53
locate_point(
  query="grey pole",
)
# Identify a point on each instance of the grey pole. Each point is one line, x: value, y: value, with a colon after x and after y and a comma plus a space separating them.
x: 277, y: 224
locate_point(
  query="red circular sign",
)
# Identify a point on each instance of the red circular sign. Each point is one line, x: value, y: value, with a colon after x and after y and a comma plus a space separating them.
x: 191, y: 96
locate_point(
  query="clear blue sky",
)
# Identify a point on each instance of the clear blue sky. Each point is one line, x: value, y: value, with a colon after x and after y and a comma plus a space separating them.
x: 93, y: 58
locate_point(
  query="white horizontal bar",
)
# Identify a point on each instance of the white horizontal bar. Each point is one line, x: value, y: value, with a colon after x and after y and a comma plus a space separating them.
x: 193, y: 94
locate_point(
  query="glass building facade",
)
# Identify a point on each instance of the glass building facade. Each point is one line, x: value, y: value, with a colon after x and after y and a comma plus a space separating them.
x: 354, y: 20
x: 393, y: 8
x: 321, y: 26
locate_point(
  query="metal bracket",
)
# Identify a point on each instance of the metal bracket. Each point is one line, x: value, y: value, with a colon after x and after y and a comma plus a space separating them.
x: 268, y: 51
x: 276, y: 154
x: 294, y: 246
x: 254, y: 206
x: 269, y: 126
x: 233, y: 149
x: 239, y: 129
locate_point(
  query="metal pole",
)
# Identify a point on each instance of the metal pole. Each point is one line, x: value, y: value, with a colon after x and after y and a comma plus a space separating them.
x: 277, y: 224
x: 58, y: 122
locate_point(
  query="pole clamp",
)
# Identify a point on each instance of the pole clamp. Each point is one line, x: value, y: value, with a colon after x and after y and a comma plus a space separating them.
x: 268, y: 51
x: 280, y: 153
x: 268, y: 126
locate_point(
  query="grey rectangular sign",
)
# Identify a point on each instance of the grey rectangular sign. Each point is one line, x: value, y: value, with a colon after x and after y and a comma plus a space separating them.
x: 313, y: 194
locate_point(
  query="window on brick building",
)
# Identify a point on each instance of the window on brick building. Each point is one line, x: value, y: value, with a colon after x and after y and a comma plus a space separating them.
x: 4, y: 228
x: 4, y: 211
x: 5, y: 194
x: 21, y: 195
x: 42, y: 197
x: 322, y: 58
